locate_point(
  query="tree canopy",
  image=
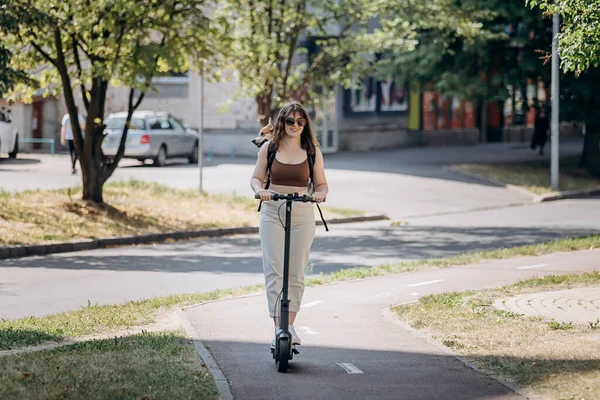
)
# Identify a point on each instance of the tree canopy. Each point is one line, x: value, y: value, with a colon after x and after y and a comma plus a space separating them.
x: 579, y: 45
x: 291, y: 49
x: 90, y: 45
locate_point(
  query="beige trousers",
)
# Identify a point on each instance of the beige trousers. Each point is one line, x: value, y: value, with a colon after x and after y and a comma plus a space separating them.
x: 272, y: 239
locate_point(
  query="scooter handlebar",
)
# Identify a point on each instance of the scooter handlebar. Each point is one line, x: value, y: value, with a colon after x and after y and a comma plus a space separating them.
x: 291, y: 196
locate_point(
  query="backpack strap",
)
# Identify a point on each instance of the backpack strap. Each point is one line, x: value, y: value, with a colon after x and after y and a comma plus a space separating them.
x: 270, y: 158
x: 311, y: 162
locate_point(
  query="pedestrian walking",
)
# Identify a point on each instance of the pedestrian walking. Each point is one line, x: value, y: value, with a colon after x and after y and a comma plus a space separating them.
x: 540, y: 130
x: 293, y: 146
x: 66, y: 136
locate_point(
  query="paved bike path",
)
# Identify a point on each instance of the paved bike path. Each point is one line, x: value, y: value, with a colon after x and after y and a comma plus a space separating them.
x: 349, y: 323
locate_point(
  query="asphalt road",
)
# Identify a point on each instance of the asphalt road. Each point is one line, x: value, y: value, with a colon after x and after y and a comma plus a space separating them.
x: 60, y: 282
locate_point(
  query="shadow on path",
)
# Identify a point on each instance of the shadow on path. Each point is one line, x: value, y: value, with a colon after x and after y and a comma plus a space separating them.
x: 349, y: 248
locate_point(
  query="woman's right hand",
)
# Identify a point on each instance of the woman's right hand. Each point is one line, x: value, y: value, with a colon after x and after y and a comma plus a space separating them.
x: 264, y: 194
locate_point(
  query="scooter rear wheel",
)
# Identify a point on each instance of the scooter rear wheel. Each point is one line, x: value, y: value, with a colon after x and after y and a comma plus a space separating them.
x: 284, y: 355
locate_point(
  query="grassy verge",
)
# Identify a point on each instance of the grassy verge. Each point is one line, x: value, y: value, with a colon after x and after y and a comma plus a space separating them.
x: 534, y: 176
x: 94, y: 319
x: 146, y: 366
x: 551, y: 360
x: 132, y: 208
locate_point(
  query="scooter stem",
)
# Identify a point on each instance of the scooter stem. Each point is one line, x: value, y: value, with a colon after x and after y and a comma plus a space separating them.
x: 285, y: 306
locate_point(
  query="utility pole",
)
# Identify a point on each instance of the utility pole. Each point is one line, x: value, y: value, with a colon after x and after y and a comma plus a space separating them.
x: 201, y: 129
x: 555, y: 103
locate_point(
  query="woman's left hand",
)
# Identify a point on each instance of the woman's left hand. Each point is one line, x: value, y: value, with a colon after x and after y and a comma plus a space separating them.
x: 319, y: 197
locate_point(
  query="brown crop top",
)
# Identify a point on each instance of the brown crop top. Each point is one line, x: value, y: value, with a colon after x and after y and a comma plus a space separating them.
x: 290, y: 174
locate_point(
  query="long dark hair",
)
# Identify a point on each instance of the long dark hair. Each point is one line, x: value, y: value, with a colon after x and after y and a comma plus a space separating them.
x: 308, y: 140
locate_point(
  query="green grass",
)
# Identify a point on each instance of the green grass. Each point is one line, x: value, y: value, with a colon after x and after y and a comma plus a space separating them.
x: 547, y: 358
x: 94, y: 319
x: 147, y: 366
x: 534, y: 176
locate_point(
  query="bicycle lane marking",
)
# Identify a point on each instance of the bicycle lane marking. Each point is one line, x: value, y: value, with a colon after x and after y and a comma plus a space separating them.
x: 350, y: 368
x: 425, y: 283
x: 533, y: 266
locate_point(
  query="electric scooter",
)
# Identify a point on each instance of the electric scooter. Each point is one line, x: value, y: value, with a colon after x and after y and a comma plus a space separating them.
x: 284, y: 350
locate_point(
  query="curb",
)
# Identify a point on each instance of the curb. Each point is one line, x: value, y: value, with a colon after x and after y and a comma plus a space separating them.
x: 207, y: 358
x: 568, y: 194
x: 92, y: 244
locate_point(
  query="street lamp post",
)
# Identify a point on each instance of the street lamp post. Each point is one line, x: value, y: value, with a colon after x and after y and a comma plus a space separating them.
x: 201, y: 129
x: 555, y: 103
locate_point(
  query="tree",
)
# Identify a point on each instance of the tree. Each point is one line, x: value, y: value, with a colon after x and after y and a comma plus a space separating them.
x: 9, y: 76
x: 91, y: 44
x: 281, y: 50
x: 579, y: 50
x: 470, y: 49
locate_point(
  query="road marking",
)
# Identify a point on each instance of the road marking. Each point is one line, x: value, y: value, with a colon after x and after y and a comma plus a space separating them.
x: 414, y: 294
x: 308, y: 330
x: 314, y: 303
x: 351, y: 369
x: 425, y: 283
x: 533, y: 266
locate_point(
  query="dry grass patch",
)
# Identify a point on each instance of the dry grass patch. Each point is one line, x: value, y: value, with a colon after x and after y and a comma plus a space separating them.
x: 550, y: 360
x: 534, y: 176
x: 147, y: 366
x: 132, y: 208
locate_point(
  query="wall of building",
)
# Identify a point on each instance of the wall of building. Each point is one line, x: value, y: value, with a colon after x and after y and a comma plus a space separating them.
x: 363, y: 134
x: 220, y: 110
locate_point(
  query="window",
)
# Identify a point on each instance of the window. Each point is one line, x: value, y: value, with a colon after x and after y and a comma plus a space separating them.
x: 394, y: 96
x: 119, y: 123
x: 159, y: 123
x: 176, y: 125
x: 369, y: 95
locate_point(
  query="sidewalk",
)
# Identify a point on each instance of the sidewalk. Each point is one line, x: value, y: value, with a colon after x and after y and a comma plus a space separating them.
x: 349, y: 323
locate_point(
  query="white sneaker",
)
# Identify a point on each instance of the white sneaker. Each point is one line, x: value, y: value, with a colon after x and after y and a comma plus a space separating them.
x: 295, y: 338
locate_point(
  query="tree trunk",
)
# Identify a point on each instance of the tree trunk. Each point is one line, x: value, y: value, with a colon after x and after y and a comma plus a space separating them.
x: 92, y: 161
x: 263, y: 103
x: 591, y: 148
x: 93, y: 182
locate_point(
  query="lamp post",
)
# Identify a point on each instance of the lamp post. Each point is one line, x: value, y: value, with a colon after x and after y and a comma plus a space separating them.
x: 555, y: 103
x: 201, y: 129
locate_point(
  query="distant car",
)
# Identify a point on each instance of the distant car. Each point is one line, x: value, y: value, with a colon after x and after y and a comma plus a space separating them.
x: 152, y: 135
x: 9, y: 137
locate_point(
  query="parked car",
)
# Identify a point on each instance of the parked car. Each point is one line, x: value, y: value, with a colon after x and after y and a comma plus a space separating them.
x: 152, y: 135
x: 9, y: 137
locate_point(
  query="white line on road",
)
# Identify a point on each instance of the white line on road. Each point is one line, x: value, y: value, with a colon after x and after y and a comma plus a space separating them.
x: 533, y: 266
x: 308, y: 330
x: 425, y: 283
x: 314, y: 303
x: 351, y: 369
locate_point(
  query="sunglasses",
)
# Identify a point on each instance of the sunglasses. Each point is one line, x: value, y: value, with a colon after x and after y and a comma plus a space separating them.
x: 291, y: 121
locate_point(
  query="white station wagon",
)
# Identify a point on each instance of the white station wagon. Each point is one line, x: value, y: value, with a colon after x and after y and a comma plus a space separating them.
x: 152, y: 135
x: 9, y: 137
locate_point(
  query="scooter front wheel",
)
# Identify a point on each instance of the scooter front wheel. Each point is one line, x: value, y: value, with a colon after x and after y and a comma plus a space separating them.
x: 284, y: 355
